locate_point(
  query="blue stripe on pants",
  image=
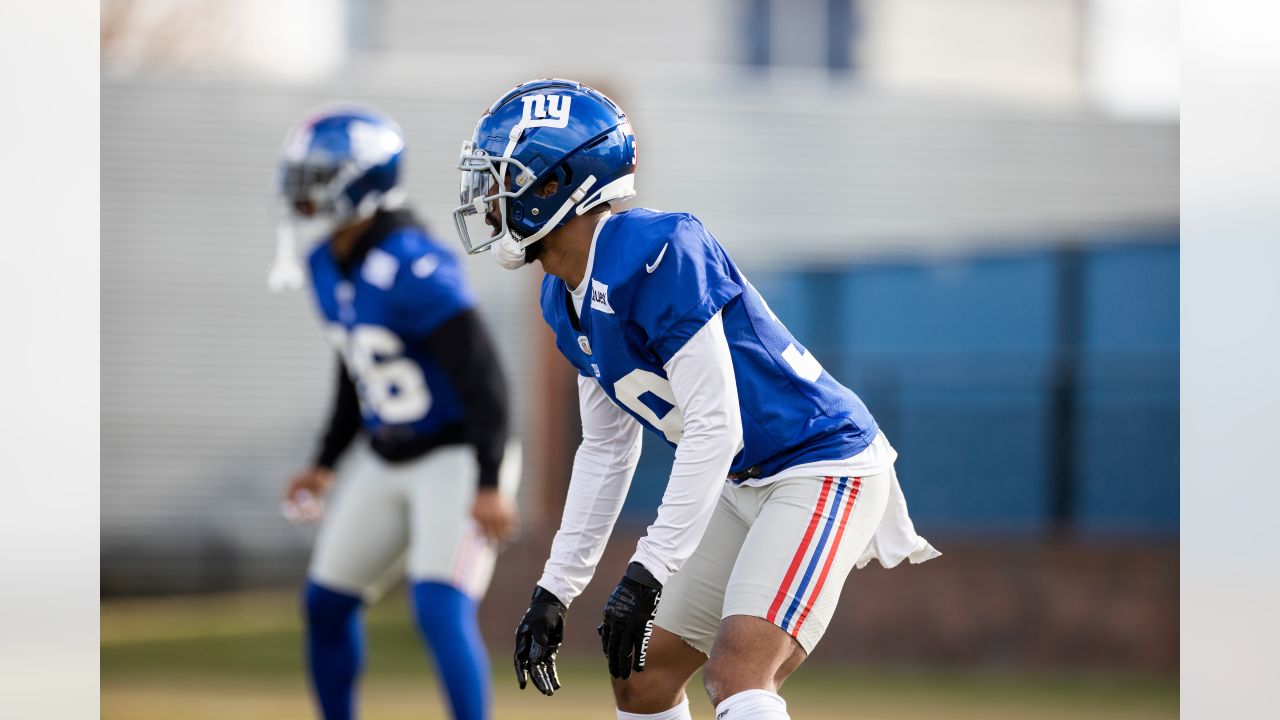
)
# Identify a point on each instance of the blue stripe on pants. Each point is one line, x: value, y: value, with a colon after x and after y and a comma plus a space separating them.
x: 817, y: 554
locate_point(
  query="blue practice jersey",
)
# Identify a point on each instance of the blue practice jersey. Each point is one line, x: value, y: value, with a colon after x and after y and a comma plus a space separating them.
x: 377, y: 313
x: 656, y: 279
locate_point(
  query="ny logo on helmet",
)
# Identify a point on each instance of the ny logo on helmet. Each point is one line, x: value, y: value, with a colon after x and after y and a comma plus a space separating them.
x: 546, y: 110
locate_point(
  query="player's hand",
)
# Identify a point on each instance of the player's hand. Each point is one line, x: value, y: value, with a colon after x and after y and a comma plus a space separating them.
x: 628, y: 621
x: 538, y: 638
x: 495, y: 514
x: 304, y: 495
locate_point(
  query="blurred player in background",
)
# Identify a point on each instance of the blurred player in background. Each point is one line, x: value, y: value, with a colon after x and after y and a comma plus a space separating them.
x: 417, y: 371
x: 783, y: 468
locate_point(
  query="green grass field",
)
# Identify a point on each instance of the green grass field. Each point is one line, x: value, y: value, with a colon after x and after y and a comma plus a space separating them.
x: 238, y: 656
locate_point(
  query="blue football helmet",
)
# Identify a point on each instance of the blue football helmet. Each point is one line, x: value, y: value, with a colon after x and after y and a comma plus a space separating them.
x: 338, y: 165
x: 539, y: 132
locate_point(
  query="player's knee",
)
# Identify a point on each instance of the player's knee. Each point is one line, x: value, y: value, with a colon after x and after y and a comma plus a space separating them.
x: 628, y: 695
x: 653, y: 691
x: 750, y: 653
x: 716, y: 680
x: 723, y: 678
x: 731, y: 673
x: 328, y: 611
x: 660, y: 686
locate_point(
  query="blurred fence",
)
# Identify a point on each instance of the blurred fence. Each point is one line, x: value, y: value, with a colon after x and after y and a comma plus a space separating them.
x: 1026, y: 391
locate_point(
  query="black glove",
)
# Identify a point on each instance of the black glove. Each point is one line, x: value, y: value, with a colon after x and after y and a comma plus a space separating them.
x: 538, y: 638
x: 628, y: 621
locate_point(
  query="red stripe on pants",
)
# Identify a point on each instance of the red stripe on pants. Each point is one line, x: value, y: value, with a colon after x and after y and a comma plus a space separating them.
x: 826, y: 567
x: 799, y: 556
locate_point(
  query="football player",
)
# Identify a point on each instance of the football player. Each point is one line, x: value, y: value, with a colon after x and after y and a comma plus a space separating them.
x: 417, y: 373
x: 782, y: 481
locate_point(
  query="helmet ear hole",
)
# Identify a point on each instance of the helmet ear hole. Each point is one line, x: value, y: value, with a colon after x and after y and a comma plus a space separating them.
x: 547, y: 188
x: 562, y: 178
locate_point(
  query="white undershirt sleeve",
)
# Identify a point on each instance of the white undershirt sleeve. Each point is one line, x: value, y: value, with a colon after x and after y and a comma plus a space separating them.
x: 602, y: 471
x: 706, y: 391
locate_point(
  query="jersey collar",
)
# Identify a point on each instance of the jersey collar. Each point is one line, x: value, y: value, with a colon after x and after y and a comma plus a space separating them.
x: 578, y: 295
x: 384, y: 223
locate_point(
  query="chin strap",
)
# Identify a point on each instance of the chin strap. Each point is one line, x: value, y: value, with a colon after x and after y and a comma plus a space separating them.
x: 554, y: 221
x: 508, y: 254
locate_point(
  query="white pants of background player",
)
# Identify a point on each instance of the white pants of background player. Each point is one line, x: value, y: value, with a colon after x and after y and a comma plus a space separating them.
x: 385, y: 521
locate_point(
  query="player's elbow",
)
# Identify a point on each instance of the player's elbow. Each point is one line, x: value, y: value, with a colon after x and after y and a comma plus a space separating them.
x: 720, y: 429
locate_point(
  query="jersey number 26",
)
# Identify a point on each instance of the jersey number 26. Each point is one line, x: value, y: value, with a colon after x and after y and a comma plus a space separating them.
x: 391, y: 385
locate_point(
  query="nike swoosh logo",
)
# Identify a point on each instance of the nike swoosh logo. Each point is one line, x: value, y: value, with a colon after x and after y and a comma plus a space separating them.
x: 650, y: 268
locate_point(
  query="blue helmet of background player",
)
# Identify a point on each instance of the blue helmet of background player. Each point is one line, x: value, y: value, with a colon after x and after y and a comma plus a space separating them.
x: 337, y: 165
x: 546, y: 151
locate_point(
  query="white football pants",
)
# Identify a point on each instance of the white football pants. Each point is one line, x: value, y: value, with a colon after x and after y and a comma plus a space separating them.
x: 383, y: 521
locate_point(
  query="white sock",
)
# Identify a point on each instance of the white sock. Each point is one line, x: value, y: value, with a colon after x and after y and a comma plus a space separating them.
x: 679, y: 712
x: 753, y: 705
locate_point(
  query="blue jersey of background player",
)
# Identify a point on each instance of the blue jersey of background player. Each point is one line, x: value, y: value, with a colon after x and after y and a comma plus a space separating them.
x: 418, y: 374
x: 656, y: 279
x: 383, y: 303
